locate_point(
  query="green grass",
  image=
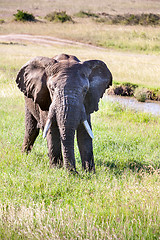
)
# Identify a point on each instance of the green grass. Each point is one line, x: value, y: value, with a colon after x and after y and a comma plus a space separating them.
x: 120, y: 201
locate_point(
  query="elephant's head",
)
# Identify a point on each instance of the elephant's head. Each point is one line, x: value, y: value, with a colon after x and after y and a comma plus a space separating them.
x: 69, y: 90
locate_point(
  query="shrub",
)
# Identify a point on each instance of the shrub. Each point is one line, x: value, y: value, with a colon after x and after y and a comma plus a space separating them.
x: 1, y: 21
x: 125, y: 89
x: 23, y: 16
x: 131, y: 19
x: 58, y: 17
x: 141, y: 94
x: 83, y: 14
x: 142, y: 19
x: 155, y: 95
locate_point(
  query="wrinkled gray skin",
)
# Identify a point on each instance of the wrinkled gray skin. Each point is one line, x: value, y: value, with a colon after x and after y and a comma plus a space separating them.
x: 65, y: 91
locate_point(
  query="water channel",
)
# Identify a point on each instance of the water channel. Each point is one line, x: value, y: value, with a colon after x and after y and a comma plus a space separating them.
x: 131, y: 103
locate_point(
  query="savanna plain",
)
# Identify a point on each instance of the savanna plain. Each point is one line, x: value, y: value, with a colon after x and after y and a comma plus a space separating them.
x: 122, y: 199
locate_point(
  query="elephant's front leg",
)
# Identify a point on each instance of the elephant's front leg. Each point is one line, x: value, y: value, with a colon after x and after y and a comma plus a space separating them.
x: 54, y: 147
x: 31, y: 131
x: 85, y: 147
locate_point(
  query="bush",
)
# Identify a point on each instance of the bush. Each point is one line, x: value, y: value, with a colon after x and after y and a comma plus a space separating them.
x: 131, y: 19
x: 58, y: 17
x: 125, y: 89
x: 142, y: 19
x: 83, y: 14
x: 1, y: 21
x: 141, y: 94
x: 23, y: 16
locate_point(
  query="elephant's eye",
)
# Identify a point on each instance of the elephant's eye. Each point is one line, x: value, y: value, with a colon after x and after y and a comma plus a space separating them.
x: 83, y: 75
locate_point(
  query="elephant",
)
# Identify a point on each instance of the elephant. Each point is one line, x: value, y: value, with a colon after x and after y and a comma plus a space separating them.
x: 60, y: 95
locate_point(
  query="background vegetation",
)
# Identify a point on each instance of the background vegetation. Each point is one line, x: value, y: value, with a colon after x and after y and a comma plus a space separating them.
x: 58, y: 17
x: 43, y: 7
x: 23, y: 16
x: 120, y: 201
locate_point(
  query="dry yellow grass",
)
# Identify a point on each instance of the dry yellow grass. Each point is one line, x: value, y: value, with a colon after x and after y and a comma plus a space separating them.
x: 126, y: 67
x: 123, y: 38
x: 42, y: 7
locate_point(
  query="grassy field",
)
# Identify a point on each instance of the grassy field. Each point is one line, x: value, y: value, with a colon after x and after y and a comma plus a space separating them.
x: 137, y: 39
x: 120, y: 201
x: 135, y: 68
x: 140, y: 39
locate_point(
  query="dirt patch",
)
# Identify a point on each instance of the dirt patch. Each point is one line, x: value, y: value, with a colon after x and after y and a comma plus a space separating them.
x: 43, y: 40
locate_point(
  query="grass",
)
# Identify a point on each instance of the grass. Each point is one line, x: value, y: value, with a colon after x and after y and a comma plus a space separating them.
x: 123, y: 38
x: 100, y: 211
x: 120, y: 201
x: 138, y: 39
x: 124, y: 66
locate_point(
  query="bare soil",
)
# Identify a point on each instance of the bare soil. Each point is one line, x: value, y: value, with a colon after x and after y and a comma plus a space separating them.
x: 43, y: 40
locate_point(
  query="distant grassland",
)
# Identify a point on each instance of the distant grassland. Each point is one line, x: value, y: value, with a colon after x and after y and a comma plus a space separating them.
x: 122, y: 38
x: 43, y: 7
x: 139, y: 69
x: 138, y: 39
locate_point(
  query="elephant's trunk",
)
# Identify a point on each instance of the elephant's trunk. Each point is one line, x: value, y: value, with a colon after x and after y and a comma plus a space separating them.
x: 67, y: 142
x: 68, y: 117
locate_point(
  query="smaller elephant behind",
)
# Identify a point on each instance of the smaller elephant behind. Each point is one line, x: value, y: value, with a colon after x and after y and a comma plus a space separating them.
x: 60, y: 95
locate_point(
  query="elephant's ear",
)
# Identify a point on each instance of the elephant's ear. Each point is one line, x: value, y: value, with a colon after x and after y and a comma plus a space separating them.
x: 32, y: 78
x: 100, y: 78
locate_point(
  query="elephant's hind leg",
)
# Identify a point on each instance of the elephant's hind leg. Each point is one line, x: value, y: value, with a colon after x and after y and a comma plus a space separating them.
x: 31, y: 131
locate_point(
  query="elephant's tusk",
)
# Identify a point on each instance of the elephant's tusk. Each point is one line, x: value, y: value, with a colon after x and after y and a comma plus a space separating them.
x: 88, y: 129
x: 46, y: 128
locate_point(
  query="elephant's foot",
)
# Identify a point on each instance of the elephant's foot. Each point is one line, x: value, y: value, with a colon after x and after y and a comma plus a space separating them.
x: 26, y: 148
x: 70, y: 168
x: 89, y: 166
x: 73, y: 171
x: 90, y: 170
x: 56, y: 163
